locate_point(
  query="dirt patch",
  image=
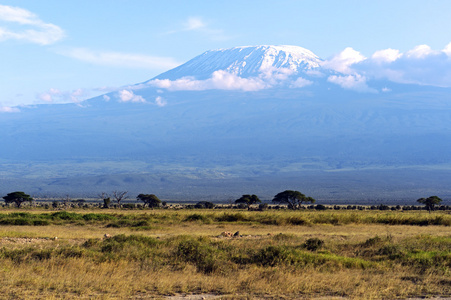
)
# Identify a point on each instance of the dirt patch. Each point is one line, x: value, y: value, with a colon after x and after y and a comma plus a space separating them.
x: 24, y: 241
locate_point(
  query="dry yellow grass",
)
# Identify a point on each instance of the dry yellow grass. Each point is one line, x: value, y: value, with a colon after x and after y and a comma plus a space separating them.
x: 348, y: 232
x: 93, y: 275
x: 78, y: 278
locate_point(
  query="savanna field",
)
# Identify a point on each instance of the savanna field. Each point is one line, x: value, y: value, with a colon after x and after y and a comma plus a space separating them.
x: 272, y: 254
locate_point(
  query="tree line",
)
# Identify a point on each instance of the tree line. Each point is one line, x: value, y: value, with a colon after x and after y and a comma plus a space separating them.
x: 292, y: 199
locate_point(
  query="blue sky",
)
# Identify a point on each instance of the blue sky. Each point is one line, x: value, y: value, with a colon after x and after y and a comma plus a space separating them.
x: 83, y: 48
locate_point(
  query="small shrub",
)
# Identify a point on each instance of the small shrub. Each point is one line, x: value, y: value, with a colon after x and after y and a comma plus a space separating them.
x: 320, y: 207
x: 390, y: 250
x: 284, y: 237
x: 16, y: 221
x: 233, y: 217
x: 129, y: 206
x: 272, y: 255
x: 197, y: 217
x: 41, y: 222
x: 142, y: 223
x: 201, y: 254
x: 263, y: 206
x: 313, y: 244
x: 97, y: 217
x: 297, y: 221
x: 91, y: 243
x: 64, y: 215
x: 372, y: 241
x: 204, y: 204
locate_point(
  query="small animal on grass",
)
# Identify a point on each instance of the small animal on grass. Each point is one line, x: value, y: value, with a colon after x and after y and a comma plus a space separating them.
x: 227, y: 234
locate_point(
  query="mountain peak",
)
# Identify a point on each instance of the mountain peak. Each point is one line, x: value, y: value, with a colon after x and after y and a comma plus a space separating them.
x: 246, y: 61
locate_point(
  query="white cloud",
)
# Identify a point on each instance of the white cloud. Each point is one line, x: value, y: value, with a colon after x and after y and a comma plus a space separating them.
x: 386, y: 56
x: 50, y: 96
x: 420, y: 51
x: 128, y: 60
x: 47, y: 97
x: 194, y: 23
x: 220, y: 80
x: 78, y: 95
x: 421, y: 65
x: 386, y: 90
x: 57, y: 96
x: 301, y: 82
x: 17, y: 15
x: 160, y: 101
x: 106, y: 98
x: 31, y: 28
x: 197, y: 24
x: 343, y: 61
x: 129, y: 96
x: 8, y: 109
x: 354, y: 82
x: 224, y: 80
x: 447, y: 50
x: 273, y: 75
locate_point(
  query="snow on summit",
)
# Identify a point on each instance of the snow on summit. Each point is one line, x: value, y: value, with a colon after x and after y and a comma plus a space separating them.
x: 247, y: 61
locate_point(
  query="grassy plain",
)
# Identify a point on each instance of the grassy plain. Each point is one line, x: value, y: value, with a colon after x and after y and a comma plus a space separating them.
x: 277, y: 255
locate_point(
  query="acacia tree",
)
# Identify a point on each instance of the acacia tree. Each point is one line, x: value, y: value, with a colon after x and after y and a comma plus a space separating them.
x: 17, y: 197
x: 149, y: 199
x: 248, y: 200
x: 119, y: 196
x: 430, y: 202
x: 293, y: 199
x: 106, y: 199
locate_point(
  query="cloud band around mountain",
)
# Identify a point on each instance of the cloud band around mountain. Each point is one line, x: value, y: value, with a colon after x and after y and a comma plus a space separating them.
x: 421, y: 66
x: 349, y: 69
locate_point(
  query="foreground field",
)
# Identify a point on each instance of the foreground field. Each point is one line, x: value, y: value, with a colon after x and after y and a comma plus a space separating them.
x: 283, y: 254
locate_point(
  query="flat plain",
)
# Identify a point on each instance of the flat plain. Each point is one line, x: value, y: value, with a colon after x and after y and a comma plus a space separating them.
x: 169, y: 254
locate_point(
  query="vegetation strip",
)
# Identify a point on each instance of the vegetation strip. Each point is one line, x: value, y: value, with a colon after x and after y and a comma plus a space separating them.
x: 161, y: 217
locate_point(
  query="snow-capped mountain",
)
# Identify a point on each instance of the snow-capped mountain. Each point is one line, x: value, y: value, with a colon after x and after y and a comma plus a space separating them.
x: 248, y: 61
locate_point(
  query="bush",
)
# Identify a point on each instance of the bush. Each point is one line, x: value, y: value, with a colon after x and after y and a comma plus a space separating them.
x: 234, y: 217
x: 372, y: 241
x: 135, y: 247
x: 263, y: 206
x: 41, y: 222
x: 97, y: 217
x: 129, y: 205
x: 284, y: 237
x: 16, y: 221
x: 272, y: 255
x: 204, y: 204
x: 198, y: 217
x: 391, y: 250
x: 64, y: 215
x: 201, y: 254
x: 313, y: 244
